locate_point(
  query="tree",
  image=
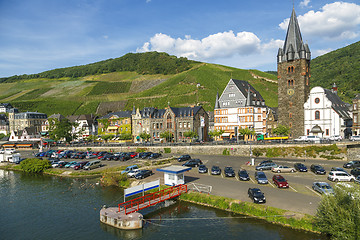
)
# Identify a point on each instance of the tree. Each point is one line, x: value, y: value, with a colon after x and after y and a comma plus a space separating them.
x: 281, y: 130
x: 190, y: 134
x: 144, y: 136
x: 167, y: 135
x: 107, y: 137
x: 246, y: 132
x: 216, y: 133
x: 338, y: 215
x: 61, y: 130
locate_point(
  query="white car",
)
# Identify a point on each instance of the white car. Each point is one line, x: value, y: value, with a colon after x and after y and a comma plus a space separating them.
x: 355, y: 138
x: 340, y: 176
x: 308, y: 139
x: 132, y: 173
x: 336, y: 138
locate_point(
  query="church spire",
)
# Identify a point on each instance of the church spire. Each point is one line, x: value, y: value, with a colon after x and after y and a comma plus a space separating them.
x: 294, y: 48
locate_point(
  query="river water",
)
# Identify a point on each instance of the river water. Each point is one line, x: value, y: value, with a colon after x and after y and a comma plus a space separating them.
x: 44, y: 207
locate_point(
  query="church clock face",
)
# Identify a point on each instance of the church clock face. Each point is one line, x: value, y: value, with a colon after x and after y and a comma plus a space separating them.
x: 290, y: 92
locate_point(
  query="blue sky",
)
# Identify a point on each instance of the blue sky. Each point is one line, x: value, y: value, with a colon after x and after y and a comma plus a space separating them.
x: 39, y: 35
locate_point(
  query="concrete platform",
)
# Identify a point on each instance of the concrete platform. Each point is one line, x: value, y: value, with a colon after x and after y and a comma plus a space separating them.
x: 112, y: 217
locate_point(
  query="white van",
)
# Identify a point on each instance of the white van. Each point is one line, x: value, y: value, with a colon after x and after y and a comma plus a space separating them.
x: 92, y: 165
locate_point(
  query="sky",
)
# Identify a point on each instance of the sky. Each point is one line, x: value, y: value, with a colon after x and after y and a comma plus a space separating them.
x: 40, y: 35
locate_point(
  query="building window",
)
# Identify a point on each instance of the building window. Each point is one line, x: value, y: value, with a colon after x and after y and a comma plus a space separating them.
x: 317, y: 115
x: 290, y: 115
x: 180, y: 124
x: 327, y: 132
x: 355, y: 106
x: 355, y: 118
x: 307, y: 131
x: 231, y: 94
x: 317, y: 100
x: 291, y: 69
x: 290, y: 124
x: 290, y: 104
x: 290, y: 83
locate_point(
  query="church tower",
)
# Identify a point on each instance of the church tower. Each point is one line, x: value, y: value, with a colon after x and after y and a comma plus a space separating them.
x: 293, y: 67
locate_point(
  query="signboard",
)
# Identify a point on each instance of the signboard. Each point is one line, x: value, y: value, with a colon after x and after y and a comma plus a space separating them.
x: 141, y: 188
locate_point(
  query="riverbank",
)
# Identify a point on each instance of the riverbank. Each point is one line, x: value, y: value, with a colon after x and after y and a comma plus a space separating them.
x: 272, y: 215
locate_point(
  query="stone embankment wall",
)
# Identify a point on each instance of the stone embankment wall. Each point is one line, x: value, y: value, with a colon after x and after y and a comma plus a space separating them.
x: 235, y: 150
x: 353, y: 152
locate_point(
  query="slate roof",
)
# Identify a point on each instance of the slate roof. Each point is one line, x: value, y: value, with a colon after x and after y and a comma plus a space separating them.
x: 120, y: 114
x: 186, y: 111
x: 337, y: 104
x: 255, y: 96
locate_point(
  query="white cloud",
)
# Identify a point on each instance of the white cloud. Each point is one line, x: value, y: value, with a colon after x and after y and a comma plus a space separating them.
x: 147, y: 1
x: 219, y: 45
x: 305, y: 3
x: 336, y: 21
x: 320, y: 52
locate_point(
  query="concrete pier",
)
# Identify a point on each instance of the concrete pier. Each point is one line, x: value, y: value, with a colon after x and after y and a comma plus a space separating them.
x: 112, y: 217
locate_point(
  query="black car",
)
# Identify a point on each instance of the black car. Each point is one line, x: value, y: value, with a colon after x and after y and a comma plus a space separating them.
x: 215, y: 170
x: 203, y: 169
x: 243, y: 175
x: 144, y: 155
x: 265, y: 161
x: 229, y: 172
x: 154, y: 155
x: 184, y: 158
x: 143, y: 174
x: 338, y: 169
x: 300, y: 167
x: 355, y: 172
x: 193, y: 163
x: 352, y: 164
x: 317, y: 169
x: 256, y: 195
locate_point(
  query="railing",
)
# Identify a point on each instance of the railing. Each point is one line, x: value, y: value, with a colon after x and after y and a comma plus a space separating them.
x: 151, y: 199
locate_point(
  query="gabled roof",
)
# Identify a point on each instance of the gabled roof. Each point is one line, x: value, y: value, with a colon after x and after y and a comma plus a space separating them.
x: 186, y: 111
x: 120, y: 114
x: 244, y: 87
x: 337, y: 104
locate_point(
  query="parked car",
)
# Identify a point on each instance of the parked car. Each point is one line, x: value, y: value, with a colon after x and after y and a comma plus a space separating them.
x: 133, y: 154
x: 229, y: 172
x: 283, y: 169
x: 143, y: 174
x: 193, y: 163
x: 144, y: 155
x: 340, y: 176
x: 203, y: 169
x: 183, y: 158
x: 57, y: 164
x: 92, y: 165
x: 265, y: 161
x: 154, y: 155
x: 355, y: 138
x: 322, y: 188
x: 338, y: 169
x: 132, y: 173
x: 300, y: 167
x: 317, y: 169
x: 62, y: 164
x: 266, y: 166
x: 336, y: 138
x: 80, y: 165
x: 308, y: 139
x: 243, y: 175
x: 261, y: 178
x: 215, y: 170
x: 72, y: 163
x: 352, y: 164
x: 355, y: 172
x: 256, y: 195
x: 124, y: 157
x: 129, y: 168
x: 280, y: 181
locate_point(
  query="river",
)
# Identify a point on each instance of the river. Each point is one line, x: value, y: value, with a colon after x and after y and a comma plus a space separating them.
x: 44, y: 207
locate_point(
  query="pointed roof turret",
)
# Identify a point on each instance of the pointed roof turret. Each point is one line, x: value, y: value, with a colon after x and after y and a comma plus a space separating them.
x: 294, y: 47
x: 217, y: 101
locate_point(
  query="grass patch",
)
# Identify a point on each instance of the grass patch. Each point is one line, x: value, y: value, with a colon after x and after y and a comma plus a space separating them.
x: 110, y: 87
x: 270, y: 214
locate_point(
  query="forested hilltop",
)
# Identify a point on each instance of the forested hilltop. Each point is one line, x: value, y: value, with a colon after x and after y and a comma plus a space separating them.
x: 342, y: 67
x: 141, y: 63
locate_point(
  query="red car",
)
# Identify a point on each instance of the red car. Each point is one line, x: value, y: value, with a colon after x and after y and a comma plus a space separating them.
x: 280, y: 181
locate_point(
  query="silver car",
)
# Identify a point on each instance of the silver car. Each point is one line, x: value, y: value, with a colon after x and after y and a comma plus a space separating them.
x: 323, y: 188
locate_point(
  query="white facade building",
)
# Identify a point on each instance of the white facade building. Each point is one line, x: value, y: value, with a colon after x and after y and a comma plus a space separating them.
x: 239, y: 106
x: 325, y: 111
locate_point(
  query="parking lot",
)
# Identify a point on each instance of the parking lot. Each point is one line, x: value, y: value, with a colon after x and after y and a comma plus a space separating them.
x: 299, y: 197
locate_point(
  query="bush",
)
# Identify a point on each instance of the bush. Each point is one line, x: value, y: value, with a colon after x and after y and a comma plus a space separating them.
x: 34, y: 165
x: 226, y: 152
x: 115, y: 179
x: 167, y: 150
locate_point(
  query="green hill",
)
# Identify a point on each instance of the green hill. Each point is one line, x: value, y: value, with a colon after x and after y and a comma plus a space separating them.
x: 152, y: 79
x: 342, y: 67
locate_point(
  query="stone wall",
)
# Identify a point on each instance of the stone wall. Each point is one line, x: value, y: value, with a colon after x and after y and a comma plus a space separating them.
x: 353, y: 152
